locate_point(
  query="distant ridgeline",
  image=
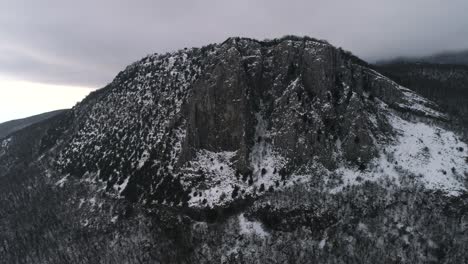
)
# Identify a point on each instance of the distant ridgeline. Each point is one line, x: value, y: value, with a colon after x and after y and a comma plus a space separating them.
x: 450, y: 58
x: 9, y: 127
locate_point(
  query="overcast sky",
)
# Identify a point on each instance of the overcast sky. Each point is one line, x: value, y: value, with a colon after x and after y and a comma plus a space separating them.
x: 71, y: 47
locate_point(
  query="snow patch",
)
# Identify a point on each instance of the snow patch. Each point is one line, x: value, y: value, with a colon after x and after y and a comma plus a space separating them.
x: 263, y: 159
x: 216, y: 168
x: 60, y: 183
x: 114, y: 219
x: 251, y: 227
x: 419, y: 104
x: 434, y: 154
x: 144, y: 157
x: 5, y: 142
x: 121, y: 187
x: 322, y: 243
x: 431, y: 155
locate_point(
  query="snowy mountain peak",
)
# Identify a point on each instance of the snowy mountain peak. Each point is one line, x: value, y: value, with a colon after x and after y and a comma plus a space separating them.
x: 206, y: 127
x: 278, y: 151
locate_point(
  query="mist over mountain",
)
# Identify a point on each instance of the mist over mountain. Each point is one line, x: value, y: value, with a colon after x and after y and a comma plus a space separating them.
x: 452, y: 57
x: 279, y: 151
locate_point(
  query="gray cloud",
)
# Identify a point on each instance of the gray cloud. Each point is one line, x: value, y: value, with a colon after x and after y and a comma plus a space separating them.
x: 87, y: 42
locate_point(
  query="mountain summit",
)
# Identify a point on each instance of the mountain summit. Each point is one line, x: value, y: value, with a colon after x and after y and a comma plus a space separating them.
x: 289, y: 149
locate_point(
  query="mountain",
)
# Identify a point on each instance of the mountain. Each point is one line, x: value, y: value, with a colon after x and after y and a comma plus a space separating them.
x: 9, y: 127
x: 280, y: 151
x: 453, y: 57
x: 446, y: 84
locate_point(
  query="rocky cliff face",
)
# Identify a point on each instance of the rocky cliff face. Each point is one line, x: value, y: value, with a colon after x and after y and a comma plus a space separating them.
x: 289, y: 150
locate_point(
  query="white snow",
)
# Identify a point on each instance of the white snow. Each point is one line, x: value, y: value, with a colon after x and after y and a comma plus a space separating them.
x: 251, y: 227
x: 434, y: 156
x: 179, y: 139
x: 121, y: 187
x: 114, y: 218
x: 419, y: 104
x: 60, y: 183
x: 220, y: 179
x: 5, y: 142
x: 4, y: 146
x: 430, y: 152
x: 322, y: 243
x: 92, y: 201
x: 263, y: 156
x: 81, y: 202
x: 219, y: 174
x: 144, y: 157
